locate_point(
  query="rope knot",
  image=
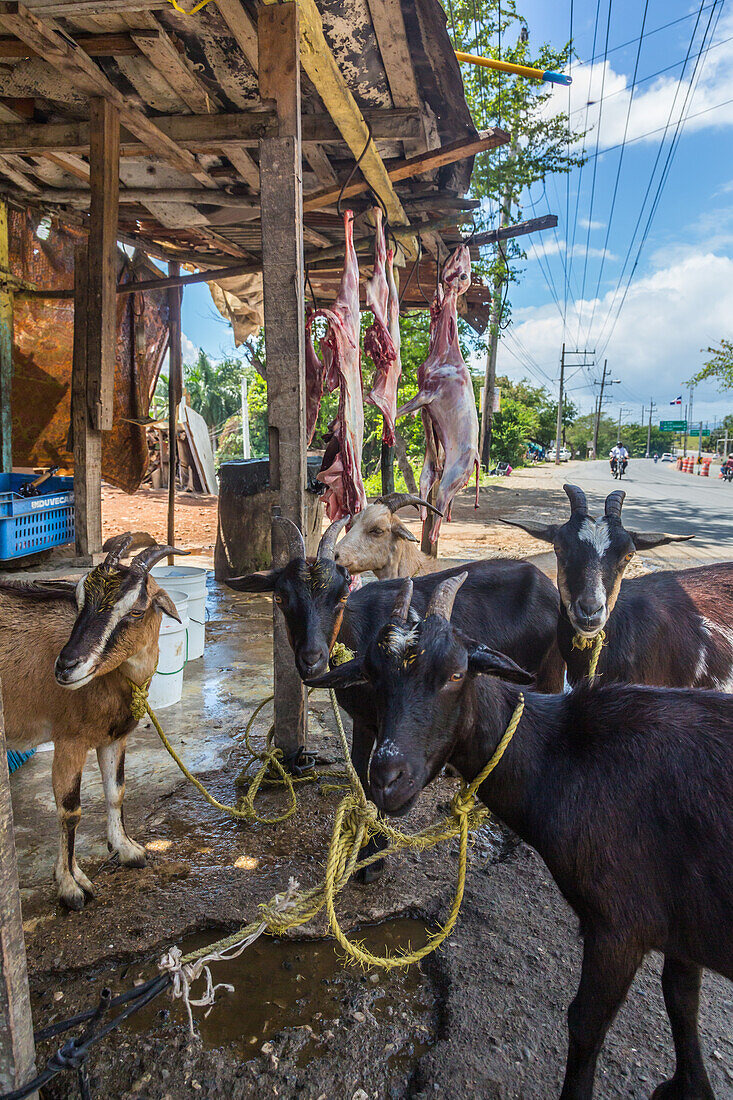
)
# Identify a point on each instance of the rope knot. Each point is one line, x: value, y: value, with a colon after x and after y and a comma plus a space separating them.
x: 139, y: 701
x: 463, y: 803
x: 341, y: 653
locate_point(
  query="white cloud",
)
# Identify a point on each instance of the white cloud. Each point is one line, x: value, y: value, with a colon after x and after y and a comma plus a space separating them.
x: 652, y: 101
x: 554, y: 246
x: 591, y: 225
x: 667, y: 318
x: 190, y: 351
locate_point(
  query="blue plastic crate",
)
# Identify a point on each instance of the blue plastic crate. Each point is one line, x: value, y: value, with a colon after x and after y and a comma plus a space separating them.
x: 15, y: 759
x: 30, y: 524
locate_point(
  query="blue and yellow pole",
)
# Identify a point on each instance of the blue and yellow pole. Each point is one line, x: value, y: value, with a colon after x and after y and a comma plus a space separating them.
x: 511, y: 67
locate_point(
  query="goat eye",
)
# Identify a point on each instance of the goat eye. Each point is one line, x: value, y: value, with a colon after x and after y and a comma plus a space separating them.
x: 630, y: 556
x: 278, y: 599
x: 457, y: 677
x: 376, y: 531
x: 344, y: 598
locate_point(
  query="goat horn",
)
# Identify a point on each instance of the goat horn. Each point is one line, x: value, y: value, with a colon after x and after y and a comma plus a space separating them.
x: 292, y: 536
x: 144, y: 561
x: 115, y: 548
x: 443, y: 598
x: 578, y: 502
x: 402, y: 603
x: 395, y: 501
x: 328, y: 540
x: 614, y: 503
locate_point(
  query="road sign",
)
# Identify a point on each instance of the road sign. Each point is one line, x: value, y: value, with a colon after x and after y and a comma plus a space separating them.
x: 672, y: 425
x: 696, y: 431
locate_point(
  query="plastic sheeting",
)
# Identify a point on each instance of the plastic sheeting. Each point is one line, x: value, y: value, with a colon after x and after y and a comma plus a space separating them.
x: 43, y: 340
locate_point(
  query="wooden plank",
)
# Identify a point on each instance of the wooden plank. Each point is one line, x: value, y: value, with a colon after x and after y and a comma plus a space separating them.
x: 6, y: 351
x: 102, y: 295
x: 389, y: 27
x: 177, y: 70
x: 66, y: 57
x: 175, y: 391
x: 75, y: 8
x: 72, y: 164
x: 320, y: 64
x: 284, y: 308
x: 17, y: 176
x: 245, y: 166
x: 415, y: 166
x: 520, y: 229
x: 242, y: 27
x: 321, y: 165
x: 87, y: 439
x: 196, y: 132
x: 17, y: 1051
x: 96, y: 45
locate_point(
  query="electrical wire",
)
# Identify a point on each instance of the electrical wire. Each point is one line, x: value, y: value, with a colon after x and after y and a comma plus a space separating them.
x: 656, y: 30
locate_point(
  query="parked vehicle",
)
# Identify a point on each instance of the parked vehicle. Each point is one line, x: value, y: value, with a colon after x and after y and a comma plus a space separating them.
x: 667, y: 457
x: 565, y: 455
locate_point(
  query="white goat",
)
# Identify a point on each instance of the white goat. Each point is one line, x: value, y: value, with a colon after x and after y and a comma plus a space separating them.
x: 378, y: 540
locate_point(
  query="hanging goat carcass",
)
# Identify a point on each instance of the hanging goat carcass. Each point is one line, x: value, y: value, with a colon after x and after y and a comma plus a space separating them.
x: 341, y: 467
x: 66, y: 656
x: 379, y: 344
x: 445, y: 396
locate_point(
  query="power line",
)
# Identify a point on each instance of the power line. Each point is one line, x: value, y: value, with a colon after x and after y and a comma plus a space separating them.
x: 656, y: 30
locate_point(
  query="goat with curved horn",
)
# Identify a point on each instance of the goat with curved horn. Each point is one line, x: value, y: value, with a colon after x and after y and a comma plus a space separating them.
x: 577, y: 498
x: 150, y: 556
x: 292, y: 536
x: 395, y: 501
x: 614, y: 503
x: 327, y: 544
x: 443, y: 598
x: 401, y: 608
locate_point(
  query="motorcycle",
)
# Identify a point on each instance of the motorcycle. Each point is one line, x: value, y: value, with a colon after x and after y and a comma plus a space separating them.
x: 618, y: 469
x: 727, y: 472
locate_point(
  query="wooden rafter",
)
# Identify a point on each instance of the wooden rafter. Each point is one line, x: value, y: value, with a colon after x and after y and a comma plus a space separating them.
x: 242, y: 27
x: 96, y: 45
x: 176, y: 69
x: 415, y: 166
x: 196, y: 132
x: 59, y: 51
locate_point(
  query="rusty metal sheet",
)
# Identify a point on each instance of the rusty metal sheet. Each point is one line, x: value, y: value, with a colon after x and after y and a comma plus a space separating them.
x: 42, y: 356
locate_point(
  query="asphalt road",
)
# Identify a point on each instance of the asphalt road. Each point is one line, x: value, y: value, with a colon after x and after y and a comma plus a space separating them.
x: 660, y: 498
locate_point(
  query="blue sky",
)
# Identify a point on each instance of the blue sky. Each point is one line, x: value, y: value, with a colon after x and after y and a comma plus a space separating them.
x: 681, y: 296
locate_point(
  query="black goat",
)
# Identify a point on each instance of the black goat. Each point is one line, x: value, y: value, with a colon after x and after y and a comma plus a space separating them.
x: 625, y: 791
x: 504, y: 603
x: 673, y: 629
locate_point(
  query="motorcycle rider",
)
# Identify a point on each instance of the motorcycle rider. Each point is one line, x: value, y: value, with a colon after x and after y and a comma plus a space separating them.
x: 619, y: 454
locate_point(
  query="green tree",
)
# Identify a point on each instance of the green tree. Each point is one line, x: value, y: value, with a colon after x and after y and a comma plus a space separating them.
x: 719, y: 366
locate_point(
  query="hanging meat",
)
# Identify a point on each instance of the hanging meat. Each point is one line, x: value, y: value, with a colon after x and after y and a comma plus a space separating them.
x: 314, y: 374
x: 341, y: 466
x: 445, y: 396
x: 378, y: 341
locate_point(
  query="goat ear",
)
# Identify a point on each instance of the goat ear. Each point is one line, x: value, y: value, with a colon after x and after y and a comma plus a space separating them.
x: 254, y: 582
x: 162, y: 600
x: 402, y: 532
x: 349, y: 674
x: 645, y: 540
x: 544, y: 531
x: 483, y: 659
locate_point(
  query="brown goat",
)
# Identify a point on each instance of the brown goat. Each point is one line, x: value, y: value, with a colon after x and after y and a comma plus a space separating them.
x: 65, y: 656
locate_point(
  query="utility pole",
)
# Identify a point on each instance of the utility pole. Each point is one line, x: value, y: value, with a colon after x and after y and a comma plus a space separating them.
x: 621, y: 410
x: 649, y: 430
x: 492, y: 346
x: 611, y: 382
x: 558, y: 433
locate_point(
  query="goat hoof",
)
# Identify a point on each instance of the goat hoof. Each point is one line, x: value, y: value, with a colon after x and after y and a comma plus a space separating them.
x: 370, y: 874
x: 73, y: 897
x: 675, y: 1089
x: 132, y: 854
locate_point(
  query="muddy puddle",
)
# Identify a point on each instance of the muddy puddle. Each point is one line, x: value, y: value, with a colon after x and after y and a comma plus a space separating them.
x: 303, y: 984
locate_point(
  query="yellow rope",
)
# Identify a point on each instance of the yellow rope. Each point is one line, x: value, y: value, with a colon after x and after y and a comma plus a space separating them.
x: 196, y: 8
x: 595, y: 644
x: 356, y: 821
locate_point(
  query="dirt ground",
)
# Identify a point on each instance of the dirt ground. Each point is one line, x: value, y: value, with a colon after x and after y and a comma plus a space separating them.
x: 483, y: 1017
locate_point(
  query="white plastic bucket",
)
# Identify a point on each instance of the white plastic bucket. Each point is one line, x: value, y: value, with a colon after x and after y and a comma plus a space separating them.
x: 190, y: 579
x: 166, y: 687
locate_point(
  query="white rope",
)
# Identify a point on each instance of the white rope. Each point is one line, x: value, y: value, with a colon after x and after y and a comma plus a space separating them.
x: 184, y: 974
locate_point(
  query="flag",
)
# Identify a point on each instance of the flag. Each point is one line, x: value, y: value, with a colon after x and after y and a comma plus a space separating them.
x: 677, y: 400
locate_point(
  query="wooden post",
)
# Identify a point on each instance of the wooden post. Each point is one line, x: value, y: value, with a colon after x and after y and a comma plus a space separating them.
x: 17, y: 1052
x: 283, y: 281
x: 6, y: 351
x: 87, y: 439
x: 387, y: 467
x: 104, y: 169
x: 428, y: 547
x: 175, y: 392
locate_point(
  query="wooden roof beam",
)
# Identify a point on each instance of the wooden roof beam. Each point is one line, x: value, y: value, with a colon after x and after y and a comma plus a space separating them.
x: 415, y: 166
x: 176, y: 69
x: 319, y: 63
x: 96, y: 45
x: 243, y: 29
x: 59, y: 51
